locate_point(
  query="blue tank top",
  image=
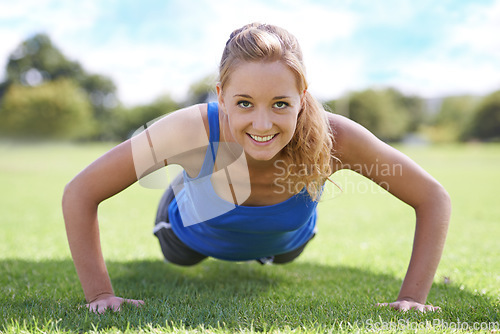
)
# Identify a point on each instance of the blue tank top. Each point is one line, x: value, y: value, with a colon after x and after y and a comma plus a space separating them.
x: 215, y: 227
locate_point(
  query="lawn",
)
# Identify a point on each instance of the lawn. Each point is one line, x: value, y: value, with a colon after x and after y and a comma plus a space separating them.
x: 358, y: 258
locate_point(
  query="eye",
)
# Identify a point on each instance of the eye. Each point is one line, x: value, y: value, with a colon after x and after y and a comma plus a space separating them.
x: 281, y: 105
x: 244, y: 104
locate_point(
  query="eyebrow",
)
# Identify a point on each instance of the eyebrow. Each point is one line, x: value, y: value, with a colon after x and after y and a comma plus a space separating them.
x: 274, y: 98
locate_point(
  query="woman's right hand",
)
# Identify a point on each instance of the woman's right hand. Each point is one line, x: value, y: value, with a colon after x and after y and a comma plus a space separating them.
x: 111, y: 302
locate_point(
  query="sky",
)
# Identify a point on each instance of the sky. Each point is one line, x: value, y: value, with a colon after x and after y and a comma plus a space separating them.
x: 154, y: 47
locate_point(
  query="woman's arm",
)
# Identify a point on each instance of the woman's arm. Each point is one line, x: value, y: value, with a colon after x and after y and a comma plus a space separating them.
x: 110, y: 174
x: 105, y: 177
x: 362, y: 152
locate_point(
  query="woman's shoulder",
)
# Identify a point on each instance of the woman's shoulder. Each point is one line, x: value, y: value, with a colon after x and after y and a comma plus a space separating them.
x: 349, y: 136
x: 341, y: 128
x: 189, y: 122
x: 175, y: 135
x: 189, y: 115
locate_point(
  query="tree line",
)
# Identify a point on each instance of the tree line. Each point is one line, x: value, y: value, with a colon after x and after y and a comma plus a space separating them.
x: 47, y: 96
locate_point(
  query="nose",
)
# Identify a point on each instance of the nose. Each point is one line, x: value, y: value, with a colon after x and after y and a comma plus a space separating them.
x: 262, y: 121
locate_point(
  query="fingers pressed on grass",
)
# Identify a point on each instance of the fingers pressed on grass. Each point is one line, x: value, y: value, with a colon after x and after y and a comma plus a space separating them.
x: 404, y: 306
x: 101, y: 308
x: 134, y: 302
x: 115, y: 303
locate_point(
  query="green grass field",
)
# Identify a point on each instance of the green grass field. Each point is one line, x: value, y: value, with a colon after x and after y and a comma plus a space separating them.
x: 358, y: 258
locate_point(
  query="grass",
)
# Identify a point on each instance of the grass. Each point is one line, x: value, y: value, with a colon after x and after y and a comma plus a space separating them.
x: 359, y: 257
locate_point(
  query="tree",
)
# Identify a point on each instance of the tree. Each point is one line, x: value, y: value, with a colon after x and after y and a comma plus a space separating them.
x: 52, y: 110
x: 125, y: 121
x: 414, y: 107
x: 37, y: 61
x: 453, y: 121
x: 101, y: 93
x: 381, y: 112
x: 485, y: 124
x: 388, y: 113
x: 202, y: 90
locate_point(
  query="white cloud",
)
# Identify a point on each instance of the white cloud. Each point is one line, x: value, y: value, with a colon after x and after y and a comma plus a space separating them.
x: 467, y: 61
x: 447, y: 75
x: 19, y: 9
x: 480, y: 32
x: 317, y: 27
x: 61, y: 20
x: 144, y: 71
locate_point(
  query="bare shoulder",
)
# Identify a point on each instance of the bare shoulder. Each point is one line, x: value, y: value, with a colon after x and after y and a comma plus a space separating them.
x: 350, y: 137
x: 178, y: 132
x: 182, y: 122
x: 171, y: 139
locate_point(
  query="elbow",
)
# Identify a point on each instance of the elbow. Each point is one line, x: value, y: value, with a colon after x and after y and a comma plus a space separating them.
x: 446, y: 204
x: 438, y: 205
x: 76, y: 204
x: 444, y: 198
x: 438, y: 195
x: 68, y: 193
x: 441, y: 211
x: 73, y: 193
x: 66, y: 202
x: 435, y: 205
x: 77, y: 193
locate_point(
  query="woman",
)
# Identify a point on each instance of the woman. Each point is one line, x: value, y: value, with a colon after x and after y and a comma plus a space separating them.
x: 235, y: 199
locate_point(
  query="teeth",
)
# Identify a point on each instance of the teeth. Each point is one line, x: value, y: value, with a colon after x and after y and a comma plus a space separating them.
x: 262, y: 139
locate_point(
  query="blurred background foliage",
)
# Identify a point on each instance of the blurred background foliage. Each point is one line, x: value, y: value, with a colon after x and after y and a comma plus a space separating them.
x: 47, y: 96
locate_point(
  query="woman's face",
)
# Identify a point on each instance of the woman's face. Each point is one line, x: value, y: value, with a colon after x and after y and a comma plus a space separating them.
x: 262, y: 103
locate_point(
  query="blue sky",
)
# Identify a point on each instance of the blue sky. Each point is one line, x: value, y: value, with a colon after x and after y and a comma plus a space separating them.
x: 153, y: 47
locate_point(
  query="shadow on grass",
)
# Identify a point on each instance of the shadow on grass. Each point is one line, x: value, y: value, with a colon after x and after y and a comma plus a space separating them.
x: 216, y: 294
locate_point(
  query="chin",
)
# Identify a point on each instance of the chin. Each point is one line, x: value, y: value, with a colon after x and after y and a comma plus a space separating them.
x: 261, y: 157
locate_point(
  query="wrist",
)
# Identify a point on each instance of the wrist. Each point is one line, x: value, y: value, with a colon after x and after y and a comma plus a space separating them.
x: 98, y: 296
x: 410, y: 299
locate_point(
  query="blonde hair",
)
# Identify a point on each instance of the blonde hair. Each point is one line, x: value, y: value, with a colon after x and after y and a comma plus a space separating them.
x: 309, y: 151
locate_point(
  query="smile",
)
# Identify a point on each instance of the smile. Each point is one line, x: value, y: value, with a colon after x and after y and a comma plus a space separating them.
x: 261, y: 139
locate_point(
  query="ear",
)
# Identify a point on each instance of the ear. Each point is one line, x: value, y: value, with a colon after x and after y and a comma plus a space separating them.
x: 220, y: 98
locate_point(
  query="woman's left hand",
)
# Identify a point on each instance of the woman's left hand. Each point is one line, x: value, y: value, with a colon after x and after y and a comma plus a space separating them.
x: 405, y: 305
